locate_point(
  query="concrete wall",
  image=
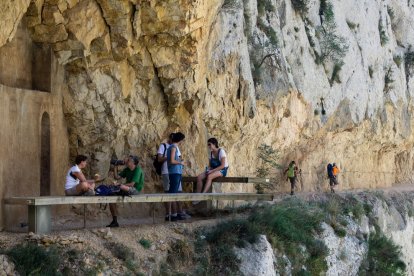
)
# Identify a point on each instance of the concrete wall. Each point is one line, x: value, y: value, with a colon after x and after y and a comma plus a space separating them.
x: 21, y: 113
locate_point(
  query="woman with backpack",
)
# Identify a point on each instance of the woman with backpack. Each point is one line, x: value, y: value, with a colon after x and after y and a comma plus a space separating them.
x: 217, y: 167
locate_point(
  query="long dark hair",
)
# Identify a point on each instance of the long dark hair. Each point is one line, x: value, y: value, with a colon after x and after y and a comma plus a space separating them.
x: 177, y: 137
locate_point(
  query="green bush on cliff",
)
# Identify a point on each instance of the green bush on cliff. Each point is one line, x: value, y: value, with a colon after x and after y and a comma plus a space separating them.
x: 289, y: 226
x: 383, y: 258
x: 32, y: 259
x: 300, y: 6
x: 333, y: 46
x: 264, y: 6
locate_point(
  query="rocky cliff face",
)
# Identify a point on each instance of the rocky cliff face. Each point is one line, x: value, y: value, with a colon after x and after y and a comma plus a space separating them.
x: 347, y: 254
x: 320, y: 81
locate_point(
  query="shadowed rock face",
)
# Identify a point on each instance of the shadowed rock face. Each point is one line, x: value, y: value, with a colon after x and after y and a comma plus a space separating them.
x: 244, y: 73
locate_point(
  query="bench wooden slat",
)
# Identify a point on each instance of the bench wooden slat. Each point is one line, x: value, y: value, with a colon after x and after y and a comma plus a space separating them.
x: 230, y: 179
x: 62, y: 200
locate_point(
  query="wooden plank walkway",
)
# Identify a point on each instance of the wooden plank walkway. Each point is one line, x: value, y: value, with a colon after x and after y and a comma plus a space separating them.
x: 253, y: 180
x: 143, y: 198
x: 39, y: 208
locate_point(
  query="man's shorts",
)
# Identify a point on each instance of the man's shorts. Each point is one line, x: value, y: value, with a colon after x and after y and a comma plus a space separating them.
x: 333, y: 181
x: 72, y: 192
x: 166, y: 183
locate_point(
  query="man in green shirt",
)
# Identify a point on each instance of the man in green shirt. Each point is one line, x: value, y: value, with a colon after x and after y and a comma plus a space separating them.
x: 133, y: 186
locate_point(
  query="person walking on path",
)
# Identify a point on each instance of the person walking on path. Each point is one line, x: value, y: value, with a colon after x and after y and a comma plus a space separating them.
x: 333, y: 172
x: 292, y: 172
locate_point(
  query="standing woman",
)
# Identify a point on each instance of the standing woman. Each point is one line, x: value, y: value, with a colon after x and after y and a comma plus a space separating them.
x: 175, y: 171
x: 218, y: 166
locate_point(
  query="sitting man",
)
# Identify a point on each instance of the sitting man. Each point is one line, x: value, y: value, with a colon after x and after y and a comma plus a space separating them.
x: 76, y: 182
x: 133, y: 186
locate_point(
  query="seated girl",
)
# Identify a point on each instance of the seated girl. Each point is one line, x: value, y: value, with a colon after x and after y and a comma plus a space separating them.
x: 217, y: 166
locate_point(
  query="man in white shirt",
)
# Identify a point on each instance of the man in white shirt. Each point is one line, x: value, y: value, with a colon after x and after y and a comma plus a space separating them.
x: 76, y: 183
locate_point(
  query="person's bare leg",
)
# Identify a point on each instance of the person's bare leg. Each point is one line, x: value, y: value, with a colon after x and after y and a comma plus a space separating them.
x: 210, y: 179
x: 114, y: 212
x: 114, y: 209
x: 174, y: 207
x: 179, y: 207
x: 200, y: 179
x: 82, y: 187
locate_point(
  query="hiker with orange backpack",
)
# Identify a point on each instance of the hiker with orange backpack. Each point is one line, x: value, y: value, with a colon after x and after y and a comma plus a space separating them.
x: 333, y: 172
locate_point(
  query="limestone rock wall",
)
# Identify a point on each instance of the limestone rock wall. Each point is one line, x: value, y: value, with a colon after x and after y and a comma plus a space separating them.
x: 247, y: 72
x: 346, y: 254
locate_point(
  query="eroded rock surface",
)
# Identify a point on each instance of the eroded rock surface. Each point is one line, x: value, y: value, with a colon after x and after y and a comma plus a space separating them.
x: 247, y: 72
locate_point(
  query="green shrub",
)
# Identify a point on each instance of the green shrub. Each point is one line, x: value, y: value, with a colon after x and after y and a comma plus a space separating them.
x: 383, y: 258
x: 339, y: 231
x: 382, y: 32
x: 370, y: 71
x: 301, y: 6
x: 215, y: 252
x: 288, y: 226
x: 390, y: 12
x: 231, y: 4
x: 264, y: 6
x: 291, y: 224
x: 335, y: 73
x: 326, y: 9
x: 180, y: 252
x: 333, y: 46
x: 120, y: 251
x: 409, y: 60
x: 397, y: 59
x: 125, y: 254
x: 351, y: 25
x: 388, y: 80
x: 145, y: 243
x: 32, y: 259
x: 269, y: 32
x: 268, y: 160
x: 309, y: 36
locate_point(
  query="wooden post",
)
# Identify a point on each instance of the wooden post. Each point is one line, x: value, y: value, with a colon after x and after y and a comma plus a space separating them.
x: 84, y: 216
x: 153, y: 213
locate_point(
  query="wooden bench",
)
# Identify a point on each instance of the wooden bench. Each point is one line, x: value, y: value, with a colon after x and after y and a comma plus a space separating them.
x: 39, y: 208
x: 253, y: 180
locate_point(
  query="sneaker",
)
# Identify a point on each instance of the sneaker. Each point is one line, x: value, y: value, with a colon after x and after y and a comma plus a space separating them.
x: 185, y: 215
x: 292, y: 193
x: 332, y: 190
x: 113, y: 224
x: 196, y: 202
x: 89, y: 193
x: 180, y: 217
